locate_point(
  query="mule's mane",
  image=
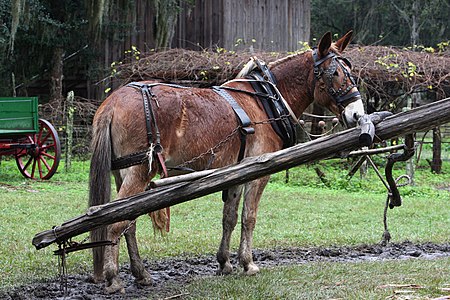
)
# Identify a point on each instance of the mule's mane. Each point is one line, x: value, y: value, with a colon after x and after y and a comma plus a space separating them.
x: 333, y: 48
x: 252, y: 64
x: 284, y: 59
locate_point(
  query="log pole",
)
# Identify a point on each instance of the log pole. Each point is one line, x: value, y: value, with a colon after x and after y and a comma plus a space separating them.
x: 422, y: 118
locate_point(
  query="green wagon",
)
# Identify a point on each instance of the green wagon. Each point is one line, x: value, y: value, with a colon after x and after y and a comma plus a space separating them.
x: 32, y: 141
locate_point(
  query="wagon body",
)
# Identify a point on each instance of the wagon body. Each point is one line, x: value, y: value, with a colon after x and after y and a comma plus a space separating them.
x: 18, y: 116
x: 32, y: 141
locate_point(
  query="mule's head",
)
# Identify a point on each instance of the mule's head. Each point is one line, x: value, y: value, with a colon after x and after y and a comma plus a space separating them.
x: 335, y: 88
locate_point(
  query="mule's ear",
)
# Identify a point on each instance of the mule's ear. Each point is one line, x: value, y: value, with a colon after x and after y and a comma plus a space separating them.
x: 342, y: 43
x: 324, y: 44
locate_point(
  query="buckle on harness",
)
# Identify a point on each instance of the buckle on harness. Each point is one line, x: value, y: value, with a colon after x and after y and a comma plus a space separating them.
x: 248, y: 130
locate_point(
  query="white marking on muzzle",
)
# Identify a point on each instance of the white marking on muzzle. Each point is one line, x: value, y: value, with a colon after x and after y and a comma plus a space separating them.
x: 353, y: 111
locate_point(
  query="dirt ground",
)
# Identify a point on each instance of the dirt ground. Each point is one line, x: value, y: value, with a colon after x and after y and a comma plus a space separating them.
x: 170, y: 275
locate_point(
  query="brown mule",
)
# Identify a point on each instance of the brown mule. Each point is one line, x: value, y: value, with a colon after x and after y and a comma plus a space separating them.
x: 199, y: 126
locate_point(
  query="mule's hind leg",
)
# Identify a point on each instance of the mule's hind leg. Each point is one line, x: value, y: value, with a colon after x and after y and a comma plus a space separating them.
x: 134, y: 181
x: 252, y: 195
x: 231, y: 199
x: 114, y: 284
x: 111, y: 267
x: 136, y: 264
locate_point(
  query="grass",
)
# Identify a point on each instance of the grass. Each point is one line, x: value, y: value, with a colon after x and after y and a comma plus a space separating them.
x: 304, y: 212
x: 417, y: 279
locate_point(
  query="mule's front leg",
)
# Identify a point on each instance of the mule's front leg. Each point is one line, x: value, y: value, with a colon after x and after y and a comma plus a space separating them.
x: 231, y: 199
x: 111, y: 267
x: 252, y: 195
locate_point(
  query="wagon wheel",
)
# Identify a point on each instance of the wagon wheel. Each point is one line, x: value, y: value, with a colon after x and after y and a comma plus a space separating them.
x: 41, y: 158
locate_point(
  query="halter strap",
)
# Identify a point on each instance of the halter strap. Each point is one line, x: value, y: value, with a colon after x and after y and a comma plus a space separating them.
x: 340, y: 96
x: 317, y: 61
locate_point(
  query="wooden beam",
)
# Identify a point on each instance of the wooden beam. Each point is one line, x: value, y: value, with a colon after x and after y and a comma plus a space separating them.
x: 422, y: 118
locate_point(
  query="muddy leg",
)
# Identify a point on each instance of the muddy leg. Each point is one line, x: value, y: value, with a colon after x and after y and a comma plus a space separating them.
x: 129, y: 182
x: 136, y: 265
x: 229, y: 220
x: 252, y: 195
x: 111, y: 267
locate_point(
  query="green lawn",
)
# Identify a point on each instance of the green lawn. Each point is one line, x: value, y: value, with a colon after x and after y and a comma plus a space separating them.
x: 413, y: 279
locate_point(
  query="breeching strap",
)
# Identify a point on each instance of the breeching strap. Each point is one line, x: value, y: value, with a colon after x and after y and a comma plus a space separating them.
x: 155, y: 148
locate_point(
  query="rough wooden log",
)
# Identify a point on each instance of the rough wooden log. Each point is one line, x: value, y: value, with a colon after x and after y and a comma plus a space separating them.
x: 421, y: 118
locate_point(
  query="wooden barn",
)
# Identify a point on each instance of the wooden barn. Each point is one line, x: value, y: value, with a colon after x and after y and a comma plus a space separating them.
x: 263, y: 24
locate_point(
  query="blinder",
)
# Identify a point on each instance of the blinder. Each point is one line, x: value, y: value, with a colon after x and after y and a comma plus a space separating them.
x: 347, y: 62
x: 341, y: 95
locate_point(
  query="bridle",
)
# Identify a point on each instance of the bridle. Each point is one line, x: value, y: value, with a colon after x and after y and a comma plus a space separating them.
x: 341, y: 96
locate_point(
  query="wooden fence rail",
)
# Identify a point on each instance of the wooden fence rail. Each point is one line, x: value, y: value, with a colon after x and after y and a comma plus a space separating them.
x: 338, y: 144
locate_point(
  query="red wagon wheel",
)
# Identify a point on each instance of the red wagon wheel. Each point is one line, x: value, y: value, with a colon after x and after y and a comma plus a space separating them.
x: 40, y: 158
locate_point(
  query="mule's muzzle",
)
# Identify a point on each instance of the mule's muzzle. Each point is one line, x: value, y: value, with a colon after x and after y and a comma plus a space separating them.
x: 353, y: 110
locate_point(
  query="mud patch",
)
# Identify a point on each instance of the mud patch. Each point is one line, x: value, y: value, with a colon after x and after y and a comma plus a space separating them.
x: 170, y: 275
x: 444, y: 187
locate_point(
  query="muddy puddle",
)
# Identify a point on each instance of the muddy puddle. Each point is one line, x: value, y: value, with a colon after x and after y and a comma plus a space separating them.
x: 170, y: 275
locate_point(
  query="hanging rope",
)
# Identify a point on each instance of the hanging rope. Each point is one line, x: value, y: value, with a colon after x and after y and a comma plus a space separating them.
x: 386, y: 237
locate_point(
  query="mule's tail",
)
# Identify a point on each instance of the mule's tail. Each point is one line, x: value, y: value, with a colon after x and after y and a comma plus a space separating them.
x: 100, y: 180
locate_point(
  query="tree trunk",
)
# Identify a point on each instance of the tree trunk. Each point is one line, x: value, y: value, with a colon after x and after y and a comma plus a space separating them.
x: 69, y: 130
x: 415, y: 24
x: 56, y: 79
x: 165, y: 21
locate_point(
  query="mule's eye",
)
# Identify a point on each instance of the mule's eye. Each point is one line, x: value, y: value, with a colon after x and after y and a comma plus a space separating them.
x: 336, y: 73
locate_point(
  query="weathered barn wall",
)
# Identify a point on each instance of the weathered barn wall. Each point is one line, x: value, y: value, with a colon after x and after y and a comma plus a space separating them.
x: 272, y: 25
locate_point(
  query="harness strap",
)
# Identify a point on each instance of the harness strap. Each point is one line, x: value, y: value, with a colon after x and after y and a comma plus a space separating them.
x: 268, y: 75
x: 275, y: 107
x: 244, y: 120
x: 154, y: 143
x: 150, y: 120
x: 129, y: 160
x: 341, y: 96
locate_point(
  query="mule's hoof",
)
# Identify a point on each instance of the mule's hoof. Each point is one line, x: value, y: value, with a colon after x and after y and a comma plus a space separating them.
x: 227, y: 269
x: 95, y: 279
x: 251, y: 269
x: 146, y: 280
x: 115, y: 286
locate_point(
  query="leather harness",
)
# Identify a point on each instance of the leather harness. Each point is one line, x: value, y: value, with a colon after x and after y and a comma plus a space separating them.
x: 152, y: 127
x: 264, y: 85
x: 242, y: 116
x: 274, y: 107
